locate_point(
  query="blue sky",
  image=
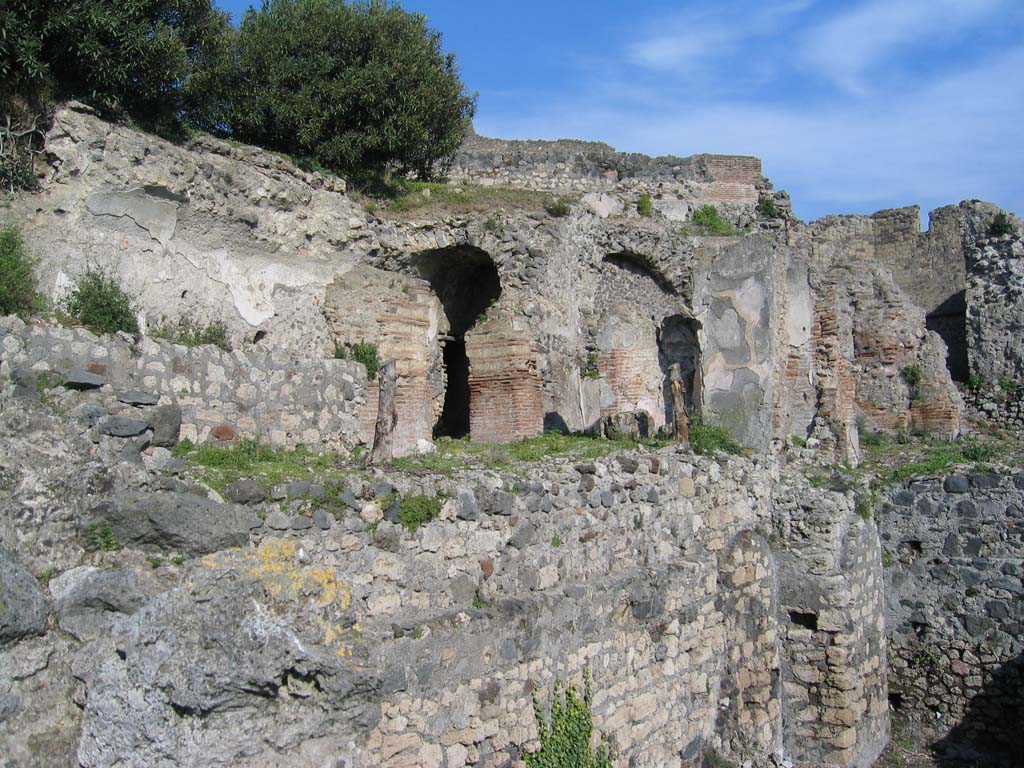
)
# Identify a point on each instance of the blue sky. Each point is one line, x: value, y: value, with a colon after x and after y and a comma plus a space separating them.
x: 853, y: 106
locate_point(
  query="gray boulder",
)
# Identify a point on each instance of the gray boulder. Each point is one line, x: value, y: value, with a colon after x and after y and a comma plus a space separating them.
x: 181, y: 522
x: 122, y: 426
x: 165, y: 421
x: 246, y: 491
x: 23, y: 608
x: 87, y: 599
x: 627, y: 425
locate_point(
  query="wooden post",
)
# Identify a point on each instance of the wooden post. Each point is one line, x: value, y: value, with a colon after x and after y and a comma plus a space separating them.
x: 383, y: 450
x: 680, y: 420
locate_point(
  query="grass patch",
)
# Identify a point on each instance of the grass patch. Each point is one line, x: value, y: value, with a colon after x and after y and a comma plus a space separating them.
x: 17, y: 280
x: 707, y: 439
x: 453, y: 455
x: 414, y: 511
x: 192, y: 334
x: 101, y: 538
x: 223, y: 465
x: 941, y: 458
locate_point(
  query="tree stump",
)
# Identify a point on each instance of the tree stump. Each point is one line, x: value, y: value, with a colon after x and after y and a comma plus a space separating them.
x: 383, y: 450
x: 680, y: 418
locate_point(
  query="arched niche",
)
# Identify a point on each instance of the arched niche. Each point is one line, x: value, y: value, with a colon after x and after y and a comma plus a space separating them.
x: 466, y: 281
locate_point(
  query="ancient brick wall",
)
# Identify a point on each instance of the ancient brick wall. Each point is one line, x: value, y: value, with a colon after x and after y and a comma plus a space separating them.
x: 403, y: 318
x: 505, y: 389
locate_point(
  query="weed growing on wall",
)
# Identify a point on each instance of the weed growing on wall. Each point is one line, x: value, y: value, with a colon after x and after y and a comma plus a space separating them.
x: 98, y: 302
x: 709, y: 221
x: 645, y: 206
x: 364, y: 352
x: 191, y: 334
x: 911, y: 375
x: 767, y: 208
x: 1000, y: 225
x: 565, y: 735
x: 17, y: 282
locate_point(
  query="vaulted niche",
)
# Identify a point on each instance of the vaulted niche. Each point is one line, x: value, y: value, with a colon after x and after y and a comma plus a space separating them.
x: 677, y: 343
x: 467, y: 283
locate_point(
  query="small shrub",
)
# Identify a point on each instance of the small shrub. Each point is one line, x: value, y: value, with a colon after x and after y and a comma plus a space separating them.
x: 47, y: 575
x: 17, y: 281
x: 492, y: 225
x: 888, y: 559
x: 415, y: 511
x: 192, y: 334
x: 710, y: 221
x: 101, y: 538
x: 767, y: 208
x: 558, y: 208
x: 645, y: 206
x: 798, y: 441
x: 556, y: 541
x: 98, y: 302
x: 1000, y: 225
x: 706, y: 439
x: 565, y: 735
x: 364, y: 352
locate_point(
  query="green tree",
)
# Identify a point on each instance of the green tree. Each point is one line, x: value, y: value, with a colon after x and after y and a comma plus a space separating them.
x: 358, y: 87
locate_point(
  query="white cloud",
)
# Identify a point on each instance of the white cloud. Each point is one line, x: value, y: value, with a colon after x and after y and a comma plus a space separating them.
x: 710, y: 33
x: 845, y: 48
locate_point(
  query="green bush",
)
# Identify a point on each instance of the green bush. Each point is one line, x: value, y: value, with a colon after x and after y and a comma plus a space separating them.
x: 708, y: 220
x: 17, y: 281
x: 364, y: 352
x: 767, y: 208
x: 192, y: 334
x: 1001, y: 225
x: 565, y: 735
x: 645, y: 206
x: 414, y: 511
x: 98, y: 302
x: 358, y: 87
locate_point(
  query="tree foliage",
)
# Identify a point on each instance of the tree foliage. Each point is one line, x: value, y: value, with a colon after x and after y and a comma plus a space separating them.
x: 358, y: 87
x: 150, y: 59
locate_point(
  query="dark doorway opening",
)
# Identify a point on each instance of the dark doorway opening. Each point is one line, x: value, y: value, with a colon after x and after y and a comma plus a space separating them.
x: 466, y: 282
x: 454, y: 421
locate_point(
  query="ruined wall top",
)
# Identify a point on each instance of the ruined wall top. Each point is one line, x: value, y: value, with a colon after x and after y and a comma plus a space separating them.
x: 585, y: 166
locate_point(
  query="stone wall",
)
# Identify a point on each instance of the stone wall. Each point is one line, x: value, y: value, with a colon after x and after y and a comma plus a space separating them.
x: 954, y: 563
x: 269, y: 396
x: 954, y: 567
x: 580, y: 166
x: 995, y: 300
x: 832, y: 629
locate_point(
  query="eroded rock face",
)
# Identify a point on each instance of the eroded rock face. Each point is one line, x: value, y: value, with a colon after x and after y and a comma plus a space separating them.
x: 254, y: 659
